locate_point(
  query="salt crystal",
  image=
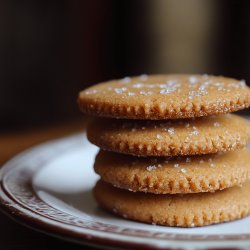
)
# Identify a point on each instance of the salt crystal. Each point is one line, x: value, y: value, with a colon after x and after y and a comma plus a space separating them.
x: 176, y: 165
x: 193, y: 79
x: 195, y: 132
x: 120, y: 90
x: 143, y: 77
x: 131, y: 93
x: 138, y: 85
x: 165, y: 91
x: 183, y: 170
x: 151, y: 167
x: 146, y: 92
x: 125, y: 80
x: 159, y: 137
x: 242, y: 83
x: 171, y: 131
x: 212, y: 165
x: 216, y: 124
x: 91, y: 92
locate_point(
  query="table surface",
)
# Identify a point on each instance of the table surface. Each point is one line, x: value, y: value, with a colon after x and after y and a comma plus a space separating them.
x: 14, y: 236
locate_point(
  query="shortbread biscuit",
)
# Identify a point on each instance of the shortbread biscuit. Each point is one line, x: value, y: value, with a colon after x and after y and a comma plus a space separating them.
x: 162, y: 175
x: 188, y: 210
x: 203, y: 135
x: 158, y: 97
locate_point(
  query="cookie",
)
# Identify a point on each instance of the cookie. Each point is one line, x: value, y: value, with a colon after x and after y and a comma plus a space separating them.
x: 162, y: 175
x: 159, y: 97
x: 169, y: 138
x: 187, y: 210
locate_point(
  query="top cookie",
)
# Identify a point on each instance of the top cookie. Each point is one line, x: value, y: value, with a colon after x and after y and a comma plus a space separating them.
x: 158, y: 97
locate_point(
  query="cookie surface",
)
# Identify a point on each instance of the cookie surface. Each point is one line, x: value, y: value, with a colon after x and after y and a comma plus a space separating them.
x: 165, y: 97
x: 169, y: 138
x: 161, y: 175
x: 187, y: 210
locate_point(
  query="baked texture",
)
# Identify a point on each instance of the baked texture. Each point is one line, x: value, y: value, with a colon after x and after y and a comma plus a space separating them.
x: 159, y: 97
x: 162, y: 175
x: 203, y: 135
x: 187, y: 210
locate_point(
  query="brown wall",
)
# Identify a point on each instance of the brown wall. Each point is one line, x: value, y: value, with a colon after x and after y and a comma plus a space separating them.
x: 52, y: 49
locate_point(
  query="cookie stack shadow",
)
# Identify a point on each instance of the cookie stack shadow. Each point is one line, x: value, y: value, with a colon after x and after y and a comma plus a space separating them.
x: 178, y: 161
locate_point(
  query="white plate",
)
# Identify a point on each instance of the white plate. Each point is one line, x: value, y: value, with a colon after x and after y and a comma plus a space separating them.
x: 49, y: 189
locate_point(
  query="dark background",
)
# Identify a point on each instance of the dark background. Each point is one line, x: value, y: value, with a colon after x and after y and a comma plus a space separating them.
x: 50, y: 50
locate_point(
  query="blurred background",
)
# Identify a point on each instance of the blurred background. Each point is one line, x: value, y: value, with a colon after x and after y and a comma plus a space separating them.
x: 50, y: 50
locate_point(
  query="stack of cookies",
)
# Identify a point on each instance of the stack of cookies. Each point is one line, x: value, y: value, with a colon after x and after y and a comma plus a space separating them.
x: 171, y: 154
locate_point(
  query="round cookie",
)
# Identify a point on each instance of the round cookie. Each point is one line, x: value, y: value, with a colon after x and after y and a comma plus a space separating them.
x: 162, y: 175
x: 158, y: 97
x: 187, y: 210
x: 169, y: 138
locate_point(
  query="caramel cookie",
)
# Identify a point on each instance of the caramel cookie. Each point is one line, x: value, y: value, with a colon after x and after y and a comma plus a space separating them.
x: 203, y: 135
x: 161, y: 175
x: 188, y: 210
x: 157, y: 97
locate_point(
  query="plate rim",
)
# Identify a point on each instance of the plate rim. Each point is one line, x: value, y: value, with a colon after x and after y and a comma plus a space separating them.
x: 26, y: 217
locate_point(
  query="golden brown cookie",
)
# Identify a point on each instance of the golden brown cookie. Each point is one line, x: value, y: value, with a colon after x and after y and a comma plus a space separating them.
x: 169, y: 138
x: 161, y: 175
x: 187, y: 210
x: 165, y: 97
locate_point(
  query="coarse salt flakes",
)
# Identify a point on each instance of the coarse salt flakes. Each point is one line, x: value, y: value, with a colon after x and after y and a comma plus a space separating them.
x: 183, y: 170
x: 125, y: 80
x: 151, y: 167
x: 120, y: 90
x: 91, y: 92
x: 176, y: 165
x: 159, y: 137
x: 167, y: 90
x: 195, y: 132
x: 216, y: 124
x: 193, y: 79
x: 143, y: 77
x: 138, y: 85
x: 146, y: 92
x: 171, y: 131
